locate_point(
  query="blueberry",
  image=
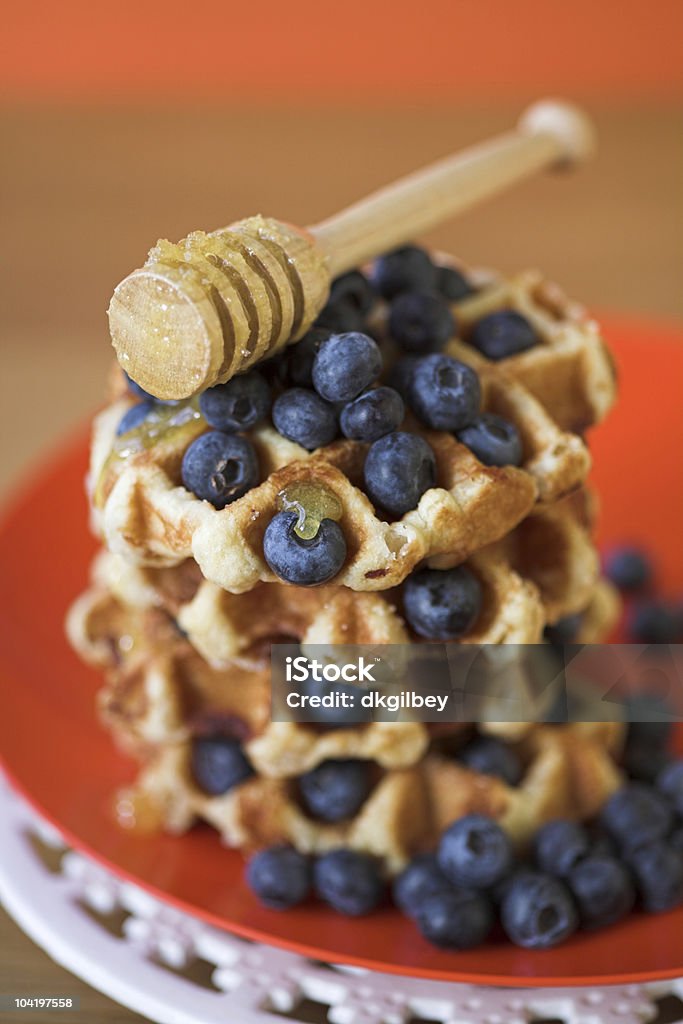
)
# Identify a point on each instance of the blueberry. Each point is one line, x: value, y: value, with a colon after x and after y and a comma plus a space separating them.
x: 445, y: 393
x: 403, y: 270
x: 670, y: 783
x: 133, y: 417
x: 304, y: 417
x: 475, y: 852
x: 453, y: 285
x: 490, y: 756
x: 280, y: 876
x: 675, y: 840
x: 537, y: 911
x: 372, y: 415
x: 304, y: 562
x: 296, y: 361
x: 340, y: 318
x: 559, y: 846
x: 564, y: 631
x: 136, y: 390
x: 455, y: 919
x: 494, y: 440
x: 349, y: 881
x: 220, y: 467
x: 239, y: 404
x: 335, y: 790
x: 218, y: 763
x: 602, y: 889
x: 442, y: 604
x: 399, y: 468
x: 345, y: 365
x: 654, y: 622
x: 423, y: 877
x: 503, y: 334
x: 355, y: 290
x: 401, y: 375
x: 628, y: 568
x: 636, y: 815
x: 421, y: 322
x: 499, y: 891
x: 658, y: 869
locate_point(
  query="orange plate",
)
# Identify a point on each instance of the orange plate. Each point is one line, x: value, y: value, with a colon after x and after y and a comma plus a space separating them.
x: 59, y: 757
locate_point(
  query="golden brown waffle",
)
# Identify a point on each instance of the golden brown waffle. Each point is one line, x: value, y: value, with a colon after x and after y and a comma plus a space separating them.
x: 140, y: 508
x: 570, y: 370
x: 569, y: 772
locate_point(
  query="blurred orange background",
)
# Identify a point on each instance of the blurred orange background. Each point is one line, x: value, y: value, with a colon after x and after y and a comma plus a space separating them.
x: 129, y: 121
x: 321, y: 50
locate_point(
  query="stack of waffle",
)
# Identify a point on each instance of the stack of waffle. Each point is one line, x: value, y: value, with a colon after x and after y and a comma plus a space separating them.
x: 183, y: 606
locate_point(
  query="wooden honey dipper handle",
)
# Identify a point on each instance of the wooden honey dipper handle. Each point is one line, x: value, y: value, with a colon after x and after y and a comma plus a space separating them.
x: 211, y: 306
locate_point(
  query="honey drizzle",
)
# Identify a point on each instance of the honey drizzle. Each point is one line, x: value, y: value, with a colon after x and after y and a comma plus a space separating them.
x: 312, y: 503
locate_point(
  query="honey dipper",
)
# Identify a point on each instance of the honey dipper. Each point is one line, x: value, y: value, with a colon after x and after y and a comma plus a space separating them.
x: 210, y: 306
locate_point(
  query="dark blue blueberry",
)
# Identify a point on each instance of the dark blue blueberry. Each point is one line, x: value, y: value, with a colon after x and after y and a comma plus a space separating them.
x: 304, y: 562
x: 421, y: 322
x: 403, y: 270
x: 453, y: 285
x: 351, y: 882
x: 636, y: 815
x: 220, y: 467
x: 239, y: 404
x: 475, y: 852
x: 445, y: 393
x: 340, y: 317
x: 401, y: 375
x: 537, y: 911
x: 280, y: 876
x: 345, y: 365
x: 399, y: 468
x: 297, y: 359
x: 218, y: 763
x: 133, y: 417
x: 335, y: 790
x: 490, y: 756
x: 564, y: 631
x: 628, y: 568
x: 654, y: 622
x: 494, y: 440
x: 136, y: 390
x: 455, y: 919
x: 423, y: 877
x: 305, y: 417
x: 354, y: 289
x: 503, y: 334
x: 658, y: 870
x: 498, y: 892
x: 372, y: 415
x: 675, y: 840
x: 559, y: 846
x: 670, y: 783
x: 602, y: 889
x: 442, y: 604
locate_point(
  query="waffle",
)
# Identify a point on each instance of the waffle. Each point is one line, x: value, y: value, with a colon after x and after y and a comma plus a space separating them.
x: 569, y: 772
x: 140, y: 509
x: 570, y: 370
x: 160, y: 694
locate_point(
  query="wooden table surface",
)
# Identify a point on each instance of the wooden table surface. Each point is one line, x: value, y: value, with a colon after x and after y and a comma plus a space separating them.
x: 87, y: 191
